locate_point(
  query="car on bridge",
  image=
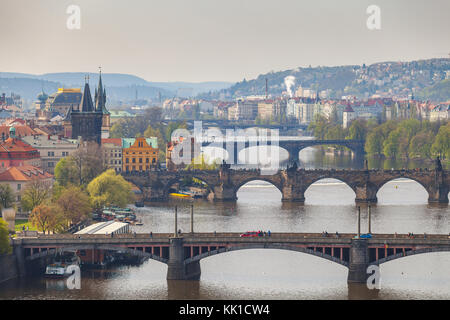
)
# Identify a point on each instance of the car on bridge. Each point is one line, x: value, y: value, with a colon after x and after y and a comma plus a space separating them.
x: 250, y: 234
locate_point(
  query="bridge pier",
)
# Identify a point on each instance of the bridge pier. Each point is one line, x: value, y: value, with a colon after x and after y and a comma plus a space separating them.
x: 292, y: 193
x: 439, y: 194
x: 359, y: 261
x: 224, y: 192
x: 177, y: 268
x: 366, y: 193
x: 20, y: 258
x: 293, y: 155
x: 155, y: 194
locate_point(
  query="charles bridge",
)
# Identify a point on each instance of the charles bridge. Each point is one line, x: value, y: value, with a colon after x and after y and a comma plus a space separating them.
x: 182, y: 252
x: 223, y: 184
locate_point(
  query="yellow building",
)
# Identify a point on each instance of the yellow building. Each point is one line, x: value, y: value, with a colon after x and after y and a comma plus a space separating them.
x: 139, y: 154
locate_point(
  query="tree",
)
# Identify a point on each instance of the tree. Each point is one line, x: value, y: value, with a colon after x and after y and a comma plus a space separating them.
x: 441, y: 145
x: 89, y: 161
x: 202, y: 163
x: 66, y: 172
x: 74, y: 204
x: 5, y: 247
x: 47, y: 218
x: 6, y: 196
x: 35, y: 193
x: 357, y: 130
x: 109, y: 189
x: 81, y: 167
x: 374, y: 142
x: 391, y: 144
x: 318, y: 127
x: 334, y: 118
x: 420, y: 145
x: 156, y: 132
x: 172, y: 126
x: 153, y: 115
x: 117, y: 130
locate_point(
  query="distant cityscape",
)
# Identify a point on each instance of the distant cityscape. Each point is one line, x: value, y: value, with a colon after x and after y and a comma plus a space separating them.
x: 56, y: 123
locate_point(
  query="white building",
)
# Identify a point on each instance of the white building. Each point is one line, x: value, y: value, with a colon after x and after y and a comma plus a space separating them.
x: 348, y: 116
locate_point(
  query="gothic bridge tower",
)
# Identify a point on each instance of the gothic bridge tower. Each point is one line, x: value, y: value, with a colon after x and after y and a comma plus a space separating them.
x: 87, y: 120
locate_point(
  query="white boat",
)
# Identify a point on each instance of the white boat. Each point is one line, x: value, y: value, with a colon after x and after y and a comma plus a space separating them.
x: 59, y: 268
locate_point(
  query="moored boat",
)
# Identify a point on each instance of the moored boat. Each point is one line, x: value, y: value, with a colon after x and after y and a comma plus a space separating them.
x: 59, y: 269
x: 180, y: 195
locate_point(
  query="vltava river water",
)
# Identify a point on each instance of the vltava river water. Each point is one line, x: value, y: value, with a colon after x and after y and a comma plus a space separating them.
x: 268, y: 273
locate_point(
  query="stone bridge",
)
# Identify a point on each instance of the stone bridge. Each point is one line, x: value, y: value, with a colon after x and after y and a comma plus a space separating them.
x: 182, y: 253
x: 292, y: 182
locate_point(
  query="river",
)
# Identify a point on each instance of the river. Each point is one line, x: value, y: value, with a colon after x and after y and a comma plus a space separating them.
x: 268, y: 273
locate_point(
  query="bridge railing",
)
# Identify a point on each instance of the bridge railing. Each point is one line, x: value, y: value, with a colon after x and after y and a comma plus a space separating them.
x: 230, y: 235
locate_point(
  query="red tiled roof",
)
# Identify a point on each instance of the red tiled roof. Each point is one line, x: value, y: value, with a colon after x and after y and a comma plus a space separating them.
x: 116, y: 141
x: 16, y: 145
x: 21, y: 131
x: 24, y: 173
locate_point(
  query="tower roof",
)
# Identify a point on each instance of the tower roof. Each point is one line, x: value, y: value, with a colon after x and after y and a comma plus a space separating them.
x: 86, y: 104
x: 349, y: 108
x: 68, y: 115
x: 100, y: 96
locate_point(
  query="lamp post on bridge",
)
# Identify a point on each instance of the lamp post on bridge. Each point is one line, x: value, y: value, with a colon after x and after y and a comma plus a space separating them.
x: 359, y: 222
x: 176, y: 222
x: 192, y: 218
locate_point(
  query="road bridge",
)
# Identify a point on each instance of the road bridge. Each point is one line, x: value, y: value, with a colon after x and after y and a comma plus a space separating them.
x: 230, y: 124
x: 182, y: 253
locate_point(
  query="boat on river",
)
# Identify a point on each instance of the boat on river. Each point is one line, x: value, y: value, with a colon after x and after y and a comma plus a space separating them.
x: 59, y: 269
x: 117, y: 214
x: 180, y: 195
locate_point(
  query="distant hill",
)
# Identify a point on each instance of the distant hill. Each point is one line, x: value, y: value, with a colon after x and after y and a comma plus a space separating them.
x: 119, y: 87
x: 390, y: 78
x: 27, y: 88
x: 438, y: 92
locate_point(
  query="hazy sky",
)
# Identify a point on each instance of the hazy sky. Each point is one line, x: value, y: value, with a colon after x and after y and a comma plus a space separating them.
x: 205, y: 40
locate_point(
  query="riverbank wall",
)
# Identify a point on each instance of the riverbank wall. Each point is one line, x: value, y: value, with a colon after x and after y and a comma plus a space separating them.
x: 8, y: 267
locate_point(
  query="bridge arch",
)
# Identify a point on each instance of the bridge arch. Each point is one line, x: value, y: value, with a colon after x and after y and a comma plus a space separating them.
x: 348, y: 185
x: 53, y: 251
x: 383, y: 183
x: 260, y: 152
x: 410, y: 253
x: 267, y: 246
x: 208, y: 185
x: 258, y: 178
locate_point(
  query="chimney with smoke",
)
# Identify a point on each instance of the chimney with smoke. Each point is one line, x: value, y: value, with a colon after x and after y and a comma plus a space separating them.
x: 289, y: 81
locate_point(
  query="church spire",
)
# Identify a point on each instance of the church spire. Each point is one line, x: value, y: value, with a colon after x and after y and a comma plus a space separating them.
x: 100, y: 96
x: 86, y: 104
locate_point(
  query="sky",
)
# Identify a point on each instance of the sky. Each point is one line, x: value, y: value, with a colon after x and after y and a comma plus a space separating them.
x: 212, y: 40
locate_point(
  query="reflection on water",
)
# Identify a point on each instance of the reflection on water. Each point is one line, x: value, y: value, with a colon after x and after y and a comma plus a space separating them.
x: 269, y: 273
